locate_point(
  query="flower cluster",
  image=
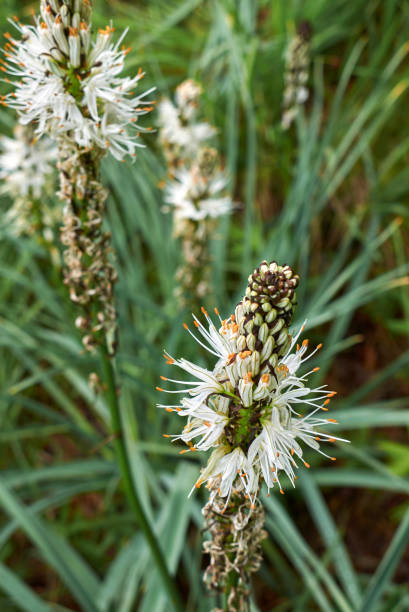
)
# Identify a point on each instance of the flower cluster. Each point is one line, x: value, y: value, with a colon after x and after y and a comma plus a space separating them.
x: 198, y: 192
x: 26, y: 163
x: 297, y: 58
x: 248, y: 408
x: 68, y: 84
x: 27, y: 167
x: 181, y: 134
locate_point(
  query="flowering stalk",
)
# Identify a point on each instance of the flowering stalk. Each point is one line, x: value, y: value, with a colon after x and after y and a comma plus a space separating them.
x: 249, y: 410
x: 196, y: 191
x: 297, y: 62
x: 70, y: 87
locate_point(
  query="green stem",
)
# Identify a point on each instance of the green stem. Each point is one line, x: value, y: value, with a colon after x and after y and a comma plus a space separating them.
x: 125, y: 470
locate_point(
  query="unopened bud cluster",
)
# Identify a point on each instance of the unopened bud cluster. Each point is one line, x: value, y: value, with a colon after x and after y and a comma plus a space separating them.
x: 297, y: 66
x: 196, y: 191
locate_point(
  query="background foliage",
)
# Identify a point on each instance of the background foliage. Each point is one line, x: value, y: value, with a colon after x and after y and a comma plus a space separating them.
x: 330, y: 198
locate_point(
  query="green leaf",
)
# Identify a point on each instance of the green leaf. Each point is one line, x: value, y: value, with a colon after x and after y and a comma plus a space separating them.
x: 22, y: 595
x: 386, y: 569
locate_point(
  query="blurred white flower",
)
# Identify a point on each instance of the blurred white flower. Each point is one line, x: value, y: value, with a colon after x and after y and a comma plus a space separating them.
x: 68, y: 84
x: 195, y: 194
x: 26, y: 163
x: 182, y: 135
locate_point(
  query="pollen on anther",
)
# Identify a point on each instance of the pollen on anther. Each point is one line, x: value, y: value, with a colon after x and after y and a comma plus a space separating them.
x: 217, y: 311
x: 163, y: 377
x: 282, y: 492
x: 159, y: 389
x: 316, y: 369
x: 185, y: 326
x: 332, y: 421
x: 307, y: 465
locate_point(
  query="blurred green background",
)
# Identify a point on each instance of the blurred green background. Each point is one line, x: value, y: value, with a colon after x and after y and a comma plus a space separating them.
x: 329, y: 197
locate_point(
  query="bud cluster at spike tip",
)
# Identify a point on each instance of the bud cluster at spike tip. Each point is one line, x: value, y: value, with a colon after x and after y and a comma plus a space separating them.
x: 254, y: 408
x: 69, y: 84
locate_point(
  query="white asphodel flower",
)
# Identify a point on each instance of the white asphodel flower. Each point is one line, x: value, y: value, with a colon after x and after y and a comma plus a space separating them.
x: 67, y: 84
x: 254, y: 415
x: 179, y: 128
x: 195, y: 195
x: 26, y: 163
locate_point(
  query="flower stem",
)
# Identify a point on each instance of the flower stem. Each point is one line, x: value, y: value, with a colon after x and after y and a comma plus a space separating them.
x: 131, y: 492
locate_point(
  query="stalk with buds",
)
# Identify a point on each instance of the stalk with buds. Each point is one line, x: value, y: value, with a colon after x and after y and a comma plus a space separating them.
x: 250, y: 410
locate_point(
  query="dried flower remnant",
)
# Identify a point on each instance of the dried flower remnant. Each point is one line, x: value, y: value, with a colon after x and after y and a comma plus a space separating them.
x: 27, y: 166
x: 249, y: 408
x: 70, y: 87
x: 297, y: 58
x: 234, y: 548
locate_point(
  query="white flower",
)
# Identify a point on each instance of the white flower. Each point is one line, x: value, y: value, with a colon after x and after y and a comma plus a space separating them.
x: 180, y: 130
x: 248, y: 411
x: 26, y: 163
x: 196, y: 195
x: 69, y: 85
